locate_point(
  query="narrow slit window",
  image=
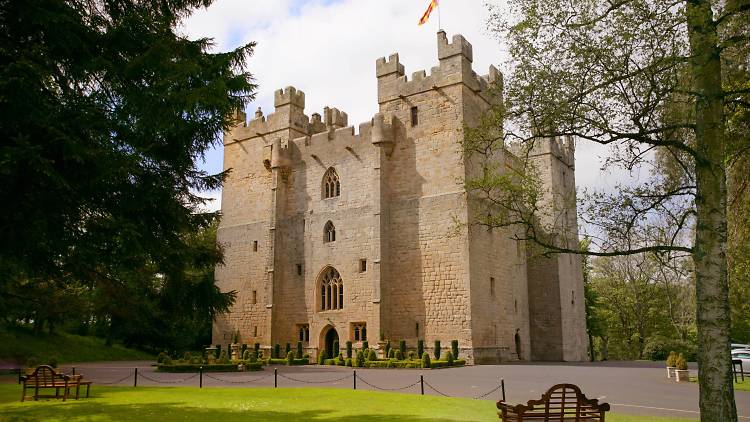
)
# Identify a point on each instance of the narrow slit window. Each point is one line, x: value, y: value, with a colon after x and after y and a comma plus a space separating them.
x: 255, y: 331
x: 362, y: 265
x: 255, y: 246
x: 299, y: 269
x: 414, y: 116
x: 492, y: 286
x: 255, y: 297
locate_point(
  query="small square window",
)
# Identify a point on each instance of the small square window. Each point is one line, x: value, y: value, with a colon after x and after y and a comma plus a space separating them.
x: 414, y: 117
x: 362, y: 265
x: 255, y: 246
x: 299, y: 269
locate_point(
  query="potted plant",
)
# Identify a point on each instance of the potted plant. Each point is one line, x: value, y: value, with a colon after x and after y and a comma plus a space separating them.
x: 671, y: 364
x: 681, y: 373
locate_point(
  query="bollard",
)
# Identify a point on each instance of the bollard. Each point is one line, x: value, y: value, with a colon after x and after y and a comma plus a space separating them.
x: 74, y: 370
x: 502, y: 387
x: 19, y: 375
x: 355, y: 379
x: 200, y: 377
x: 135, y: 378
x: 421, y: 383
x: 275, y: 378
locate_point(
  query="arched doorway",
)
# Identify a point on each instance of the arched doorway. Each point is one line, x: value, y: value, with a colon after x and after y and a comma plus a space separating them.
x: 331, y: 337
x: 518, y: 344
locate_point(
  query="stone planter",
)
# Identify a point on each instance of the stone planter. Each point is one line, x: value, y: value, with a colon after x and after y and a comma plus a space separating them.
x: 670, y: 371
x: 234, y: 356
x: 211, y: 355
x: 682, y: 375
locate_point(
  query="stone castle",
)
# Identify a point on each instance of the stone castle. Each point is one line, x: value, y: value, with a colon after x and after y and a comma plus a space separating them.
x: 331, y: 234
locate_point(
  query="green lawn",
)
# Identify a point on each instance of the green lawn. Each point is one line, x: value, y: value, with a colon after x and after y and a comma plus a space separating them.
x: 262, y: 404
x: 20, y: 344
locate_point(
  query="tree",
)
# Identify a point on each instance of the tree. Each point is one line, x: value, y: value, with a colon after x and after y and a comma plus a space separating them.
x: 640, y: 76
x: 104, y: 111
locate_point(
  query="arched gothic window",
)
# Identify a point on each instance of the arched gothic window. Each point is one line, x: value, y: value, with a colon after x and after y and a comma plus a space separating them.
x: 329, y: 232
x: 331, y: 185
x: 331, y: 290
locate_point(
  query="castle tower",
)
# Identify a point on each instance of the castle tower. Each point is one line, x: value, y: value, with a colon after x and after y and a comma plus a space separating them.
x: 335, y: 235
x: 557, y: 313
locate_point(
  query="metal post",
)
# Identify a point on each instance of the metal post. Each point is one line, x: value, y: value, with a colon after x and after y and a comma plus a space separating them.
x: 135, y: 378
x: 502, y: 387
x: 200, y: 377
x: 355, y: 379
x: 74, y: 370
x: 19, y: 375
x: 421, y: 383
x: 275, y: 378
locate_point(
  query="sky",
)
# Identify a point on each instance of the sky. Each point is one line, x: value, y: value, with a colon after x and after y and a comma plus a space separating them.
x: 328, y: 48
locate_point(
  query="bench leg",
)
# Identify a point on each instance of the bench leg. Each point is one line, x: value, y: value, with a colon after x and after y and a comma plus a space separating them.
x: 88, y: 386
x: 36, y: 393
x: 23, y: 392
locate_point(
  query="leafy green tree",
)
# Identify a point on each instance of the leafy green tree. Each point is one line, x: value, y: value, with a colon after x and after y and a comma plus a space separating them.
x: 104, y: 111
x: 638, y: 76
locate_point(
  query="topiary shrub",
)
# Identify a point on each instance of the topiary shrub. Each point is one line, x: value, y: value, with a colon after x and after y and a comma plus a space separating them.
x: 348, y: 362
x: 402, y: 347
x: 290, y: 358
x: 454, y: 348
x: 187, y: 356
x: 335, y: 351
x: 426, y: 360
x: 420, y: 347
x: 246, y: 355
x: 218, y: 351
x: 387, y: 348
x: 372, y: 355
x: 437, y: 349
x: 276, y: 351
x: 299, y: 350
x: 449, y: 357
x: 391, y: 354
x: 672, y: 359
x: 243, y: 349
x: 287, y: 349
x: 365, y: 345
x: 321, y: 357
x: 681, y: 363
x: 161, y: 356
x: 256, y: 347
x: 252, y: 358
x: 412, y: 355
x: 398, y: 355
x: 223, y: 357
x: 167, y: 361
x: 349, y: 349
x: 360, y: 359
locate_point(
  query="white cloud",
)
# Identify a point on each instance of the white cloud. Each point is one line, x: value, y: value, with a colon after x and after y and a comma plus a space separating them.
x: 328, y: 50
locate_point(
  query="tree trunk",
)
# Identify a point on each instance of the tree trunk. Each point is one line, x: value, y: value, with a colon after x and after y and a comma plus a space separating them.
x: 714, y: 358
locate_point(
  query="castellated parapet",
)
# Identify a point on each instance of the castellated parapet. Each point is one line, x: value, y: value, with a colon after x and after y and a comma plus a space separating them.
x: 332, y: 231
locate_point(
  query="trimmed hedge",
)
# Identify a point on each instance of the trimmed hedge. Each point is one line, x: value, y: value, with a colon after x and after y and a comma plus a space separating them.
x: 445, y: 364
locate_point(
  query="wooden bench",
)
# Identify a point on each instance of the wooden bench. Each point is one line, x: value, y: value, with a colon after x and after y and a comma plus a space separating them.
x: 45, y: 377
x: 562, y: 402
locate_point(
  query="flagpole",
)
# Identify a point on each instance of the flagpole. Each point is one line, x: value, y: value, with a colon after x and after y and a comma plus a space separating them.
x: 440, y: 26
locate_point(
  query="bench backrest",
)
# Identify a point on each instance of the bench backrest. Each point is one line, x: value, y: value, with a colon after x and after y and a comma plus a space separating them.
x: 562, y: 402
x: 43, y: 375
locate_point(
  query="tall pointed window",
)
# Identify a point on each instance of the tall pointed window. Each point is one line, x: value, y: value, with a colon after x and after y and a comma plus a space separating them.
x: 331, y: 290
x: 329, y: 232
x: 331, y: 185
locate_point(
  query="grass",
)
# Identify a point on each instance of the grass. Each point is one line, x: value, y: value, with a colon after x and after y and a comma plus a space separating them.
x: 266, y: 404
x: 738, y: 386
x: 19, y: 344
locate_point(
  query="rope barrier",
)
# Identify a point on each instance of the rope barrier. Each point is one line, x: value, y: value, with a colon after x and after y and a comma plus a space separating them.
x: 240, y: 381
x: 435, y: 389
x: 314, y: 382
x: 387, y: 389
x: 167, y: 382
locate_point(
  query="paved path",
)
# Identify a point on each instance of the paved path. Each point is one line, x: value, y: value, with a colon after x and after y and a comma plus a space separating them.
x: 630, y: 387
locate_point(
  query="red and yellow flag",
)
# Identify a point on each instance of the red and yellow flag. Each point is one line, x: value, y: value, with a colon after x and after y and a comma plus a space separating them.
x: 426, y: 16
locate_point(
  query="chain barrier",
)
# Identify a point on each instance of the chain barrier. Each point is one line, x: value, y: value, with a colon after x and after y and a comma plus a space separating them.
x: 113, y: 382
x: 387, y: 389
x: 314, y: 382
x: 238, y: 382
x: 166, y: 382
x: 488, y: 393
x: 435, y: 389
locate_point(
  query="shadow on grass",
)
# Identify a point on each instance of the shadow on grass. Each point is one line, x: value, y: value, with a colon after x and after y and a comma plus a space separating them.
x: 167, y: 412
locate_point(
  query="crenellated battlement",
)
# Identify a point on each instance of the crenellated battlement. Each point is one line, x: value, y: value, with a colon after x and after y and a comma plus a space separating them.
x: 458, y: 46
x: 454, y: 68
x: 289, y: 95
x: 392, y: 67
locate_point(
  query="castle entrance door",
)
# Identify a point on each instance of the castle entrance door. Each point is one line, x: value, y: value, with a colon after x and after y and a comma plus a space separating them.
x: 331, y: 337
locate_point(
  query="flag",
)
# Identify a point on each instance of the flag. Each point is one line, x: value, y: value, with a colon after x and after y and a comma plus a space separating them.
x: 426, y: 16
